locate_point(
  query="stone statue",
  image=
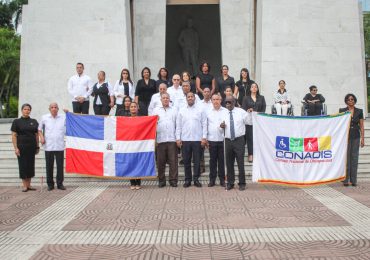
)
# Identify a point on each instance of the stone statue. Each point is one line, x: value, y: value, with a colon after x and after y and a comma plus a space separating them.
x: 189, y: 42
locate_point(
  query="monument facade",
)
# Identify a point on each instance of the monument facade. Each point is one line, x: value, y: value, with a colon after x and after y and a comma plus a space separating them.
x: 304, y: 42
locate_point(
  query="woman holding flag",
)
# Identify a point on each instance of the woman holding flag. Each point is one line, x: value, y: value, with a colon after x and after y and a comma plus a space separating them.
x: 134, y: 110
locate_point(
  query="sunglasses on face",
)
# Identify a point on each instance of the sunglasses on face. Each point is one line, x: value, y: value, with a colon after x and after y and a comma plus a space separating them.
x: 228, y: 102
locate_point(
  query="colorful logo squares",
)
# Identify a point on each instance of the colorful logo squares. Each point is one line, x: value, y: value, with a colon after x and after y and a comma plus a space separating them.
x: 310, y: 144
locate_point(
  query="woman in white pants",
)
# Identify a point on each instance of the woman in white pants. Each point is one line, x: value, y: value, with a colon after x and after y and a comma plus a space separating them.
x: 282, y: 99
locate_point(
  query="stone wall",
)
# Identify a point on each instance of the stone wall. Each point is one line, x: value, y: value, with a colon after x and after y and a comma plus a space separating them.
x: 309, y: 42
x: 57, y: 34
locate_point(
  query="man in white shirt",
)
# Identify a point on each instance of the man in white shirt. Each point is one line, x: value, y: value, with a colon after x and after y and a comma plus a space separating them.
x: 175, y: 90
x: 166, y: 141
x: 156, y: 99
x: 51, y: 132
x: 206, y: 105
x: 181, y: 101
x: 191, y: 135
x: 215, y: 138
x: 234, y: 123
x: 80, y: 88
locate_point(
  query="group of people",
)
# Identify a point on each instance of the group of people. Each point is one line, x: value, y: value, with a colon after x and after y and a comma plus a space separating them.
x: 213, y: 113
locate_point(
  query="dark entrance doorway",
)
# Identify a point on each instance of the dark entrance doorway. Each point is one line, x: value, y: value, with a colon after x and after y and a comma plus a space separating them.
x: 193, y: 35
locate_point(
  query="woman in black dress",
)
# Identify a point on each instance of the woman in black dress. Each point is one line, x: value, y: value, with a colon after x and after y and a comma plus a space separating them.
x: 26, y: 145
x: 314, y: 102
x: 163, y: 77
x: 254, y: 102
x: 356, y: 138
x: 125, y: 110
x: 242, y: 86
x: 135, y: 183
x: 145, y: 89
x: 205, y: 80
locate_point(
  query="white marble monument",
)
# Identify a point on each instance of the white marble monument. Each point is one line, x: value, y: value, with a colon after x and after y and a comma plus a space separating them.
x: 304, y: 42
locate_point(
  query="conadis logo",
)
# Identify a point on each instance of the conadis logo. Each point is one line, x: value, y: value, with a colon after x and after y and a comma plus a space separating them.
x: 301, y: 150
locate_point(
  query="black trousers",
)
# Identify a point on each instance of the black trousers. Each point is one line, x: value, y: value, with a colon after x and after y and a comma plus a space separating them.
x: 216, y: 161
x: 59, y: 158
x: 249, y: 138
x: 143, y: 108
x: 191, y: 149
x: 235, y: 150
x: 352, y: 160
x: 101, y: 110
x: 314, y: 109
x: 81, y: 108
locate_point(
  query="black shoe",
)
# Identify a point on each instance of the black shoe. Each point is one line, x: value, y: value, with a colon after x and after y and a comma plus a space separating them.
x: 211, y: 184
x: 202, y: 169
x: 173, y: 184
x: 187, y: 184
x: 161, y: 184
x: 197, y: 184
x: 61, y: 187
x: 181, y: 162
x: 242, y: 187
x: 50, y: 188
x: 222, y: 184
x: 354, y: 184
x: 230, y: 186
x: 345, y: 184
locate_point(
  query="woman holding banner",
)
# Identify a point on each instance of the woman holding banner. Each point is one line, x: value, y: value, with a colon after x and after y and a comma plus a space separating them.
x: 252, y: 102
x: 134, y: 110
x: 355, y: 138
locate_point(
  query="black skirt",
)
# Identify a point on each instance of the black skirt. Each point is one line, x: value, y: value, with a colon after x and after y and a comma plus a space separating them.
x: 26, y: 160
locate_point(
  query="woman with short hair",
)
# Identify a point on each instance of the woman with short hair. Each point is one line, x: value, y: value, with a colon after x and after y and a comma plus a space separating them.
x: 103, y: 95
x: 205, y: 79
x: 25, y: 141
x: 282, y: 99
x: 356, y: 138
x: 145, y: 89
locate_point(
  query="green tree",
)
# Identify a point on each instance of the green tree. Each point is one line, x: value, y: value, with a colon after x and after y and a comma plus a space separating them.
x: 9, y: 70
x: 367, y: 35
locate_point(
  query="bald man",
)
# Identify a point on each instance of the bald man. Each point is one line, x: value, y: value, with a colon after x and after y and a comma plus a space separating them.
x: 52, y: 129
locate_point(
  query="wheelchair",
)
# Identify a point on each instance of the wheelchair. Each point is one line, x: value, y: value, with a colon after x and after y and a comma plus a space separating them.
x: 290, y: 111
x: 304, y: 109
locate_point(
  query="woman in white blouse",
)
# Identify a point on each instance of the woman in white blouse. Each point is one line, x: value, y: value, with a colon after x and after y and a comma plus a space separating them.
x: 124, y: 87
x: 282, y: 99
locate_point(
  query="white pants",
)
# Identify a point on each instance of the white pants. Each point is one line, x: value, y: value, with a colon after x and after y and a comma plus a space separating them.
x: 282, y: 109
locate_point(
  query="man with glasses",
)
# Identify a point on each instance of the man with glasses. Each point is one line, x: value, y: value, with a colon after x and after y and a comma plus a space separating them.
x: 314, y: 102
x: 175, y: 91
x: 234, y: 123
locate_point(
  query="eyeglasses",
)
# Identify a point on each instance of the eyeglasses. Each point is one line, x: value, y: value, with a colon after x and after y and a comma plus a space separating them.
x: 228, y: 102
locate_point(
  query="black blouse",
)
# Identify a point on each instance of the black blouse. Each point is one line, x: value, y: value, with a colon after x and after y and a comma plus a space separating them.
x: 26, y: 128
x: 258, y: 106
x: 354, y: 131
x: 310, y: 97
x: 244, y: 89
x: 144, y: 91
x: 123, y: 112
x: 205, y: 80
x: 222, y: 84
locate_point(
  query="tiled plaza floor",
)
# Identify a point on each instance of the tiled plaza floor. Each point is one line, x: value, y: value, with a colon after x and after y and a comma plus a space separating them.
x: 106, y: 220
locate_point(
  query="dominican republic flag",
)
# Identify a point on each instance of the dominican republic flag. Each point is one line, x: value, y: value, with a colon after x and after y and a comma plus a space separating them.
x: 111, y: 146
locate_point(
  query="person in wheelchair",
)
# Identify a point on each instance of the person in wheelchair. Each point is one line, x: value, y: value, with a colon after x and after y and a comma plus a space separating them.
x: 282, y: 104
x: 314, y: 102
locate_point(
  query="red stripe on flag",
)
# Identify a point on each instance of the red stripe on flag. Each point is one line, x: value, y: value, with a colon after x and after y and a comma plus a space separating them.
x: 84, y: 162
x: 136, y: 128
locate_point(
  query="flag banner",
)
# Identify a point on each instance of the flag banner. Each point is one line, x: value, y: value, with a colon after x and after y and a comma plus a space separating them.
x: 111, y: 146
x: 300, y: 150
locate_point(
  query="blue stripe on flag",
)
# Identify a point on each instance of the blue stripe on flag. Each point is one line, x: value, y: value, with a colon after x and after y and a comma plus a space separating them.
x: 85, y: 126
x: 135, y: 164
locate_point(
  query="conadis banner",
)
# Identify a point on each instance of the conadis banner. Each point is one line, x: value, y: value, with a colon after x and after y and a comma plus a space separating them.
x: 300, y: 150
